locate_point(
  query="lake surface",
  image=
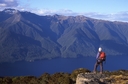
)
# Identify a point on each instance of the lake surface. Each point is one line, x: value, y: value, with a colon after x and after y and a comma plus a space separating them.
x: 37, y: 68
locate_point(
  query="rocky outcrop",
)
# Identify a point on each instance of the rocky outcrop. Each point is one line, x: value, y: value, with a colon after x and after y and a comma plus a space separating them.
x: 91, y: 78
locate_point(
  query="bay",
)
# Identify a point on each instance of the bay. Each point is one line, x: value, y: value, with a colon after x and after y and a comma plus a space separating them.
x: 66, y: 65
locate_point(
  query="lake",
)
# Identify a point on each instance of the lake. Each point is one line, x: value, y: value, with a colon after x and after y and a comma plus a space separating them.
x: 37, y: 68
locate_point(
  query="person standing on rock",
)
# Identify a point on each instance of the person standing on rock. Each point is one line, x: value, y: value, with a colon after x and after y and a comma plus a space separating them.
x: 100, y: 58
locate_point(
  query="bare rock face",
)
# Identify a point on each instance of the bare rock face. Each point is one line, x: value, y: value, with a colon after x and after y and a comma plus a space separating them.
x: 91, y: 78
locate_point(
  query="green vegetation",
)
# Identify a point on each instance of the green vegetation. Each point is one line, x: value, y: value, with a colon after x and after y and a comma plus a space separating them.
x: 46, y: 78
x: 117, y: 77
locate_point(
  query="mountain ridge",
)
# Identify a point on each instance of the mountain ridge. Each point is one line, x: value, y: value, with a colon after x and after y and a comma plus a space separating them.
x: 27, y: 36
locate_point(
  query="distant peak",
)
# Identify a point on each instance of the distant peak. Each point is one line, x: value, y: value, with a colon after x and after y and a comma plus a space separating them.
x: 56, y: 15
x: 10, y: 11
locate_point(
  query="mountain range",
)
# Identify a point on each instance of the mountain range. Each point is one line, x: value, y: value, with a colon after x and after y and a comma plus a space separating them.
x: 25, y: 36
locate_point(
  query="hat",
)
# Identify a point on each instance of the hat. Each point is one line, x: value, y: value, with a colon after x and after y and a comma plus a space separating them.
x: 100, y: 49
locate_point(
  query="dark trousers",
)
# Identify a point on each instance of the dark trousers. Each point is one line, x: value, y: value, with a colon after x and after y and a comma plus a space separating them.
x: 98, y: 62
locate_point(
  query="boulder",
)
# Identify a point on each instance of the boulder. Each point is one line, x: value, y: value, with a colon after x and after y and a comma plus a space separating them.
x: 91, y: 78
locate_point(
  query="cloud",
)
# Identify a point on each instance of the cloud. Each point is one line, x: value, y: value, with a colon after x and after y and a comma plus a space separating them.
x: 8, y: 3
x: 65, y: 12
x: 120, y: 16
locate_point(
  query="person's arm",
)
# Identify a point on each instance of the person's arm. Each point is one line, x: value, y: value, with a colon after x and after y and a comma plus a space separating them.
x: 97, y: 56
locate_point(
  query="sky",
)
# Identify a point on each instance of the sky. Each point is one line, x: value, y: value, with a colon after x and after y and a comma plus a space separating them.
x: 113, y: 10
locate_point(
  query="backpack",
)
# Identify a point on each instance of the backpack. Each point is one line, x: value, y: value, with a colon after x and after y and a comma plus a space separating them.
x: 102, y: 56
